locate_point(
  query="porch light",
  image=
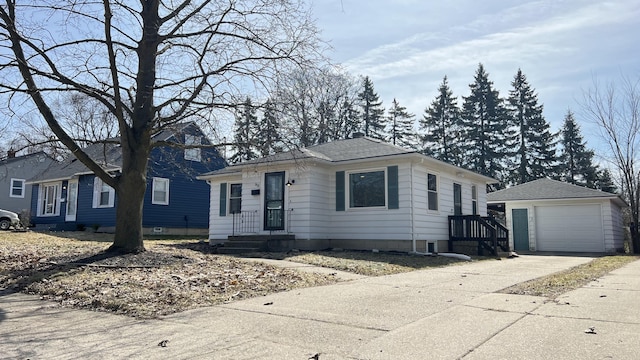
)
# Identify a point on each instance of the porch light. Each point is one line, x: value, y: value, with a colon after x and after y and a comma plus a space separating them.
x: 290, y: 182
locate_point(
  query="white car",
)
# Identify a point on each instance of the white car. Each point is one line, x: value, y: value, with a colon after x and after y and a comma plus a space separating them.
x: 8, y: 219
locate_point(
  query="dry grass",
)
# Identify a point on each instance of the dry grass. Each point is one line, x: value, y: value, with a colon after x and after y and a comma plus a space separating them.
x: 180, y: 274
x: 559, y: 283
x: 171, y: 276
x: 366, y: 262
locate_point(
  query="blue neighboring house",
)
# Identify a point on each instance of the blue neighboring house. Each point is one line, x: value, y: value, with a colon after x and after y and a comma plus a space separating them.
x: 68, y: 196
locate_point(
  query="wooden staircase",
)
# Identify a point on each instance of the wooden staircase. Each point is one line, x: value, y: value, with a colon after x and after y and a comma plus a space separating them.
x: 488, y: 234
x: 242, y: 244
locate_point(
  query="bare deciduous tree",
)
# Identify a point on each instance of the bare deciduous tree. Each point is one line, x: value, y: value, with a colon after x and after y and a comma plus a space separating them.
x: 615, y: 109
x: 151, y: 64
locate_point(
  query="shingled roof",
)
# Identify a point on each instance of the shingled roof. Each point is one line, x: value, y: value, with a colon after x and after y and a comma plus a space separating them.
x: 335, y: 151
x: 360, y: 148
x: 107, y: 154
x: 546, y: 189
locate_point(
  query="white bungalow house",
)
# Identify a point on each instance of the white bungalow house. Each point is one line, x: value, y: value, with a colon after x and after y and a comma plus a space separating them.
x: 549, y: 215
x: 357, y: 193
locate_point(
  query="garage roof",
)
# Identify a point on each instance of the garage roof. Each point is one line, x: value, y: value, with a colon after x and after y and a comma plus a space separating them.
x: 546, y: 189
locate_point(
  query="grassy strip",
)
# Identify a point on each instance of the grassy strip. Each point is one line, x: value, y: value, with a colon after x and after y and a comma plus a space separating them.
x: 366, y: 262
x: 559, y: 283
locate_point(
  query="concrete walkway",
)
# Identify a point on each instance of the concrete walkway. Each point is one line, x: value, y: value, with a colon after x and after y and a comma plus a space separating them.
x: 444, y: 313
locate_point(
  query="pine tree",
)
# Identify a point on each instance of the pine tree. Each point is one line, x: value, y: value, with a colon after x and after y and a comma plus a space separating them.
x: 372, y: 111
x: 246, y: 126
x: 486, y: 130
x: 349, y: 120
x: 576, y: 161
x: 605, y: 182
x: 268, y: 140
x: 441, y: 127
x: 401, y: 131
x: 535, y: 155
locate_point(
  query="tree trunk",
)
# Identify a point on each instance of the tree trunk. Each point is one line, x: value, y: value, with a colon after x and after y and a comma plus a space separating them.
x: 132, y: 185
x: 128, y: 235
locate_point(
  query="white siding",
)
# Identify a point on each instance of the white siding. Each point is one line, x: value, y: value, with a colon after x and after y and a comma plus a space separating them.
x: 312, y: 201
x: 371, y: 223
x: 613, y: 227
x: 221, y: 226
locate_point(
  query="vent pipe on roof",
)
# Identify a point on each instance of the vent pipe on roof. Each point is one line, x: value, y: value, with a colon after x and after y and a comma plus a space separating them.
x: 11, y: 154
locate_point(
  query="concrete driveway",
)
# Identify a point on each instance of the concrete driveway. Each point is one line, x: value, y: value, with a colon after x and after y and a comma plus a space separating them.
x: 445, y: 313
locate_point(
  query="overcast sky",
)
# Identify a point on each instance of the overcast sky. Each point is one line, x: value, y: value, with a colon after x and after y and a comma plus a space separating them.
x: 407, y: 46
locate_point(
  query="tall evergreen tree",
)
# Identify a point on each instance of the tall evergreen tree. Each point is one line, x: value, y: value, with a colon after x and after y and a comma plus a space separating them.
x: 605, y: 182
x: 441, y: 127
x: 246, y: 127
x: 401, y: 131
x: 486, y: 130
x: 268, y: 140
x: 348, y: 120
x: 372, y: 111
x: 576, y: 161
x: 535, y: 155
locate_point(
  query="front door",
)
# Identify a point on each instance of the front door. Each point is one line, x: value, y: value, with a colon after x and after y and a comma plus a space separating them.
x: 520, y: 228
x: 274, y: 201
x: 72, y: 200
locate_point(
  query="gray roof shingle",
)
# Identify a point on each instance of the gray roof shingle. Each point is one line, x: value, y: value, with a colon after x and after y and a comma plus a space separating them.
x: 107, y: 154
x: 543, y: 189
x: 335, y: 151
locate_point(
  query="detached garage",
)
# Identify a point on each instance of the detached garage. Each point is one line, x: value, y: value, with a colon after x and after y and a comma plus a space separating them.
x: 549, y: 215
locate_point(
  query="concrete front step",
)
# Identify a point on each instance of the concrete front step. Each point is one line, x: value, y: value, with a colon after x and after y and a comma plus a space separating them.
x: 237, y: 250
x: 262, y: 244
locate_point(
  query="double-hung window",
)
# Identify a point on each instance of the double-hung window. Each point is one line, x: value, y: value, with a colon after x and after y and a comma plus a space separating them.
x: 103, y: 194
x: 17, y: 188
x: 192, y: 154
x: 367, y: 189
x: 432, y: 192
x: 160, y: 191
x: 235, y: 199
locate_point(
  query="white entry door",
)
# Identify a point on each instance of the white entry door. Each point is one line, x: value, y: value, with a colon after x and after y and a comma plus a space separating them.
x: 72, y: 200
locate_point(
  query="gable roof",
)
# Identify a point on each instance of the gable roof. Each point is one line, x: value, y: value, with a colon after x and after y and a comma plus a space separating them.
x: 547, y: 189
x: 10, y: 160
x: 360, y: 148
x: 336, y: 151
x: 107, y: 154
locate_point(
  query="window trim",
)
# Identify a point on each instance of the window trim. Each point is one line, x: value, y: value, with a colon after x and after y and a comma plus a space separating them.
x: 436, y: 191
x: 230, y: 198
x: 56, y: 199
x: 193, y: 154
x: 348, y: 189
x: 22, y: 188
x: 154, y: 201
x: 97, y: 191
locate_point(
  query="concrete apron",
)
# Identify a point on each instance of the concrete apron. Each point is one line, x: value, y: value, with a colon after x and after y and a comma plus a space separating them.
x: 448, y: 313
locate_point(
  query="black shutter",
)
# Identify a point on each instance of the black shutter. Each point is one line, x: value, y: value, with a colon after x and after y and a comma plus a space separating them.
x: 392, y: 187
x: 340, y: 191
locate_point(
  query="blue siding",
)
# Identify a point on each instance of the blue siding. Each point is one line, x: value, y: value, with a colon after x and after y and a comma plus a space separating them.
x: 86, y: 214
x: 188, y: 197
